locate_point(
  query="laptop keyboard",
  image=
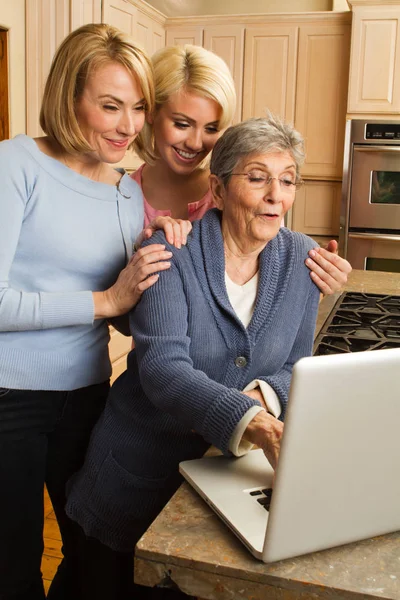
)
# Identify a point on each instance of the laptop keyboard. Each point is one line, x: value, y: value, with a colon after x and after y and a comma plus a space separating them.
x: 263, y: 497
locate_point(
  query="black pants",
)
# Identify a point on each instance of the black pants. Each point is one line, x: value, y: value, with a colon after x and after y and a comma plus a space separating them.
x: 43, y: 439
x: 92, y: 570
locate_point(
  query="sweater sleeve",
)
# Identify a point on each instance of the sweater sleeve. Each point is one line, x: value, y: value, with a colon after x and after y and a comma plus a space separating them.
x: 167, y: 374
x: 19, y: 309
x: 280, y: 381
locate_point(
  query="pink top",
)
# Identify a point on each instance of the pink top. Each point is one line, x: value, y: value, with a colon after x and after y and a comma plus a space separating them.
x: 196, y: 210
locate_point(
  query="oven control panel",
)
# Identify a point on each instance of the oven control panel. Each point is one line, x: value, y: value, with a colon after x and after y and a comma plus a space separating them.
x: 382, y: 131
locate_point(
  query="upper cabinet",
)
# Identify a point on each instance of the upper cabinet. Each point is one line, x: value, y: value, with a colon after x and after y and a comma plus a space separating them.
x: 270, y: 64
x: 184, y: 35
x: 374, y: 82
x: 143, y: 23
x: 149, y: 32
x: 120, y: 14
x: 321, y: 96
x: 84, y: 11
x: 228, y: 42
x: 300, y: 72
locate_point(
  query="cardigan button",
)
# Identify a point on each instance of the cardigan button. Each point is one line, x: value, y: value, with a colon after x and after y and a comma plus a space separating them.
x: 240, y: 361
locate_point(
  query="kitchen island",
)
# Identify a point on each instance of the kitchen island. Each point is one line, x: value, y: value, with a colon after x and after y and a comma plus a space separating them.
x: 189, y: 547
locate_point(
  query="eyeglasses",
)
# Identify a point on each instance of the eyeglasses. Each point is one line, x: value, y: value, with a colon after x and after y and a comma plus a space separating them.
x: 261, y: 180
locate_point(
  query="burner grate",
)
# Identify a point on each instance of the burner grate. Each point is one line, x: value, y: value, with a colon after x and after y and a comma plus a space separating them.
x: 360, y: 322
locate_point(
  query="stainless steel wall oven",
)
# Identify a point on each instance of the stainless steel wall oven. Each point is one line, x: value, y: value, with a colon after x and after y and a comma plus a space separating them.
x: 370, y: 212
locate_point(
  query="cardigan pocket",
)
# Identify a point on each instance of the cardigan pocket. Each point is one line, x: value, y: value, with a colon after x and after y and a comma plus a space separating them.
x: 125, y: 497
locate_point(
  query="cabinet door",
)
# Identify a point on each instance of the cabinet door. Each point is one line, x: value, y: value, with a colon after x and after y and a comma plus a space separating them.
x: 47, y: 24
x: 158, y: 35
x: 270, y: 71
x: 321, y: 97
x: 85, y: 11
x: 374, y: 83
x: 121, y: 14
x: 316, y: 208
x: 228, y: 42
x: 148, y: 33
x: 179, y: 36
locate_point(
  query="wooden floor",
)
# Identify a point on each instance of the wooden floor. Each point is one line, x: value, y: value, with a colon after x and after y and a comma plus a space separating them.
x: 52, y: 543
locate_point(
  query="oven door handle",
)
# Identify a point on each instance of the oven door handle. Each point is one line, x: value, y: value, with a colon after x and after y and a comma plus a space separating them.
x: 375, y: 236
x: 376, y: 148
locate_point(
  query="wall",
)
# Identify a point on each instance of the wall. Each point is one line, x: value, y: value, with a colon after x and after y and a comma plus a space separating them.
x: 181, y: 8
x: 12, y: 18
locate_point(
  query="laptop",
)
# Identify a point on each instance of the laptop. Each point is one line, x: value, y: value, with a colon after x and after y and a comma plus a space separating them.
x: 337, y: 479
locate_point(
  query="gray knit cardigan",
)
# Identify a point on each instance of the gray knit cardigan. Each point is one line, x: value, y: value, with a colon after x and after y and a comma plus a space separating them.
x: 181, y: 390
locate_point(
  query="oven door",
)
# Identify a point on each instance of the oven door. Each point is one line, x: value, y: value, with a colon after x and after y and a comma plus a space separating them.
x: 374, y: 252
x: 375, y: 188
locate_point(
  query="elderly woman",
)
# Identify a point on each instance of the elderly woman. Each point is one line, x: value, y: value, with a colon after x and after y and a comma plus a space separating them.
x: 68, y: 221
x: 216, y: 341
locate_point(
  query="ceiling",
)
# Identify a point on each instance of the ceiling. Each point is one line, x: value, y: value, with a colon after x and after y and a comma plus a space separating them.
x: 182, y: 8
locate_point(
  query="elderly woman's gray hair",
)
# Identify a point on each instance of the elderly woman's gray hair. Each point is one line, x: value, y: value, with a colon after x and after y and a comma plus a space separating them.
x: 255, y: 136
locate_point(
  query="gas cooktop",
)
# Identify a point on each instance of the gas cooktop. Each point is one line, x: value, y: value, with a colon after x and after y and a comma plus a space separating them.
x: 360, y: 322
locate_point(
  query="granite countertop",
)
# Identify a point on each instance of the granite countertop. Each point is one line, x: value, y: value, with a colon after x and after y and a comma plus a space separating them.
x: 188, y: 546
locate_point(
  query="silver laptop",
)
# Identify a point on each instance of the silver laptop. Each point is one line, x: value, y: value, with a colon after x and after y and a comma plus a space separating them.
x: 337, y: 479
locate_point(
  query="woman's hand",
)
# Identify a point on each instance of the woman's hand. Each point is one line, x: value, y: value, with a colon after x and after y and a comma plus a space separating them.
x: 176, y: 230
x: 266, y: 432
x: 139, y: 274
x: 328, y: 270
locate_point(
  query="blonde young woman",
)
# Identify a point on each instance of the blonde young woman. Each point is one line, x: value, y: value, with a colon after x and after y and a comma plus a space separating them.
x: 68, y: 222
x: 194, y: 103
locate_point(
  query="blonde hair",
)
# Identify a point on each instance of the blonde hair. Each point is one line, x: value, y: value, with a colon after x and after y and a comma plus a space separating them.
x: 193, y: 69
x: 83, y: 51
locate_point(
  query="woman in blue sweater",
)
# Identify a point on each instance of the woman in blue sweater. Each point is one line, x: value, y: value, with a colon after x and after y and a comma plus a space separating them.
x: 68, y: 222
x: 216, y: 341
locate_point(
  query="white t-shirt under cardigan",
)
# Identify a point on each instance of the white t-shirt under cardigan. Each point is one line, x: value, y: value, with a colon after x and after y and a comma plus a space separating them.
x: 62, y: 236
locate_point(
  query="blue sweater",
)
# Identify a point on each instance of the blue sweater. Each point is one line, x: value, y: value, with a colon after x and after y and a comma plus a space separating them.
x: 62, y: 236
x: 181, y: 391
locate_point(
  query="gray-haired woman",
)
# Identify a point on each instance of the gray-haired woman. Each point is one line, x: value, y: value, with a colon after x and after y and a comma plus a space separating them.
x: 216, y: 341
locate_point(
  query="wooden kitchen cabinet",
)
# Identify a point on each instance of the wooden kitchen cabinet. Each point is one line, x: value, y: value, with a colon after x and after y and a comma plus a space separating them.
x: 316, y: 208
x: 48, y: 22
x: 179, y: 36
x: 228, y: 42
x: 374, y: 80
x: 144, y: 24
x: 305, y: 81
x: 121, y: 14
x: 85, y: 11
x: 270, y: 63
x: 148, y: 33
x: 321, y: 96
